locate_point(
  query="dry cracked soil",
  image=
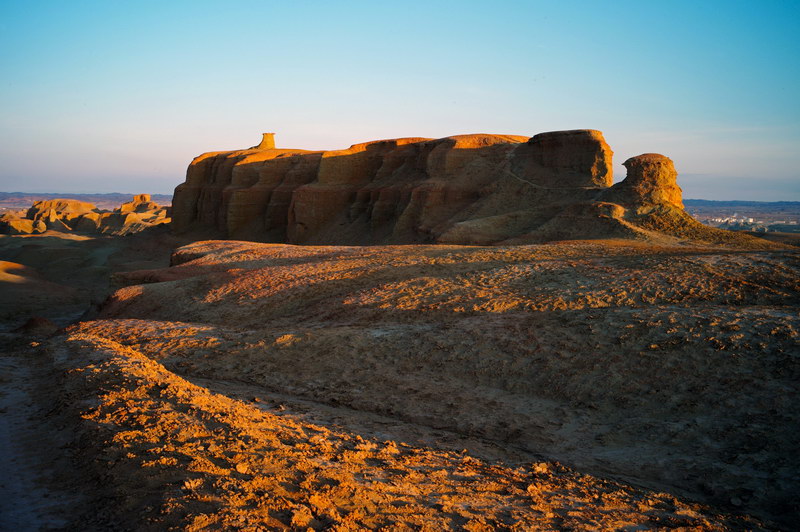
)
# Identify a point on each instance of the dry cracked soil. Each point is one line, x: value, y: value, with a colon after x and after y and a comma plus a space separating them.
x: 589, y: 385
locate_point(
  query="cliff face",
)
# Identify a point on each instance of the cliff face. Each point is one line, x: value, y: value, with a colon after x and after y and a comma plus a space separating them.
x: 467, y: 189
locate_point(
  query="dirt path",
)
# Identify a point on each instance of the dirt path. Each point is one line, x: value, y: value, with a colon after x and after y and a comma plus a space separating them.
x: 67, y: 274
x: 29, y: 499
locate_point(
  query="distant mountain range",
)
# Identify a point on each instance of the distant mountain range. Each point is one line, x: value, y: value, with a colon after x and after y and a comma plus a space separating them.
x: 13, y: 201
x: 738, y: 203
x: 747, y: 215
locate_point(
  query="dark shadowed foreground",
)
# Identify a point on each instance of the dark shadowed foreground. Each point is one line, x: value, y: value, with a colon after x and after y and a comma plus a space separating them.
x: 572, y: 385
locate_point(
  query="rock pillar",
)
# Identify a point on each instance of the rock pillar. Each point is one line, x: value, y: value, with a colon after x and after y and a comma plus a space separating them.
x: 652, y: 179
x: 267, y: 141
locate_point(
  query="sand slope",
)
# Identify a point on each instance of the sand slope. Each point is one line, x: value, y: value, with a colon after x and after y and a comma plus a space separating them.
x: 158, y: 452
x: 673, y: 368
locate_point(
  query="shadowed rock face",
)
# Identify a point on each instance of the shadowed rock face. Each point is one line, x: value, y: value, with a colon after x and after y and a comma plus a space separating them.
x: 580, y: 153
x: 466, y: 189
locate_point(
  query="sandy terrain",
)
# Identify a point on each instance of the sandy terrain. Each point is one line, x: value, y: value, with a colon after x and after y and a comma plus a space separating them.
x: 588, y: 385
x: 59, y: 276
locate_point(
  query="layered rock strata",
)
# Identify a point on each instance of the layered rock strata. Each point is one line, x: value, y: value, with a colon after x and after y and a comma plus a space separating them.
x: 466, y: 189
x: 65, y: 215
x: 651, y: 179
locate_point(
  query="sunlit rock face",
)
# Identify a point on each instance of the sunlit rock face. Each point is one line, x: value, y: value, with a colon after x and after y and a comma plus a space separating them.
x: 651, y: 179
x: 66, y: 215
x: 466, y: 189
x: 11, y: 224
x: 64, y: 209
x: 141, y: 203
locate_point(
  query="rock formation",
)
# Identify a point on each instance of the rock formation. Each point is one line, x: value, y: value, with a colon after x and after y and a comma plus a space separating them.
x: 65, y: 215
x: 651, y: 180
x: 59, y: 209
x: 11, y: 224
x: 140, y: 203
x: 466, y: 189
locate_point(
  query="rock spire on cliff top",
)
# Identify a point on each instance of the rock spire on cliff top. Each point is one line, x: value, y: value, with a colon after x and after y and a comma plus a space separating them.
x: 267, y: 142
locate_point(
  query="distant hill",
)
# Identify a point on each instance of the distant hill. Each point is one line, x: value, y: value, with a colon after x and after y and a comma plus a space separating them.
x: 739, y: 203
x: 768, y: 211
x: 13, y: 201
x: 760, y: 216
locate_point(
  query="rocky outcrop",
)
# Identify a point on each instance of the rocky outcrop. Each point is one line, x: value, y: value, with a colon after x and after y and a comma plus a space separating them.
x: 12, y: 224
x: 58, y: 209
x: 572, y: 157
x: 651, y: 180
x: 65, y: 215
x: 466, y: 189
x: 140, y: 203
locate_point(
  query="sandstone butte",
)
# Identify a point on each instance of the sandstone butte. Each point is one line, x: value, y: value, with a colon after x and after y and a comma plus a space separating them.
x: 468, y: 189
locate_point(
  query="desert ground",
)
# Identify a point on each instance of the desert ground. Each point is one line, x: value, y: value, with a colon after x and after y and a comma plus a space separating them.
x: 237, y: 385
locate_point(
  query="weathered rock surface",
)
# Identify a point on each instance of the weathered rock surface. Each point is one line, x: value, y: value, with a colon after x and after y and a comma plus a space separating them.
x: 466, y: 189
x: 651, y: 180
x: 66, y: 215
x: 64, y: 209
x: 140, y: 203
x: 11, y: 224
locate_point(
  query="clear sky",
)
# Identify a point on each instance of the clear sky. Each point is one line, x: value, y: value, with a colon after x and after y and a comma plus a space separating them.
x: 119, y: 96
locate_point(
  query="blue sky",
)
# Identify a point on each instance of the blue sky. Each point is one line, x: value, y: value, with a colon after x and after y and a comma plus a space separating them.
x: 119, y: 96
